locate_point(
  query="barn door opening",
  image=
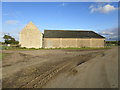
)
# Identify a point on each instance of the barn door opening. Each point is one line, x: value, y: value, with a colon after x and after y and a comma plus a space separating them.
x: 49, y: 44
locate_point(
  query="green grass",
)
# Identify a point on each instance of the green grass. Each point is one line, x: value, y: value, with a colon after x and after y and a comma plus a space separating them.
x: 59, y: 48
x: 84, y: 48
x: 2, y: 55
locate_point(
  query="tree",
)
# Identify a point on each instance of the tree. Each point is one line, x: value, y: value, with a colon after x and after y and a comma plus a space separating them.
x: 119, y: 42
x: 9, y: 40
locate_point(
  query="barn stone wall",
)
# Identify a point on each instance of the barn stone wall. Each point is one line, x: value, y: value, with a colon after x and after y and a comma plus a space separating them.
x: 72, y: 42
x: 31, y: 37
x: 98, y: 42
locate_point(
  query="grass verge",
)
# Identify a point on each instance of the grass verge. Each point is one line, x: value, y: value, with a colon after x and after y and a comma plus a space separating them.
x: 2, y: 55
x: 85, y: 48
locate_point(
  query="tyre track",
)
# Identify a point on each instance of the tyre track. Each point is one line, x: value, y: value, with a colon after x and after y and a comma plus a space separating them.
x: 42, y: 79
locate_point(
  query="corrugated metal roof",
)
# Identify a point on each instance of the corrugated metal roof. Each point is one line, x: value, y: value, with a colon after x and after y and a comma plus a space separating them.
x: 70, y: 34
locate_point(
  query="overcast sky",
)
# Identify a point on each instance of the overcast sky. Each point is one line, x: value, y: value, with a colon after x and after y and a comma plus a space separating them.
x: 99, y: 17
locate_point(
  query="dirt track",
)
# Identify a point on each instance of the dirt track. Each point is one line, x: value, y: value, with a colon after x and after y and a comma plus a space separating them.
x: 60, y: 69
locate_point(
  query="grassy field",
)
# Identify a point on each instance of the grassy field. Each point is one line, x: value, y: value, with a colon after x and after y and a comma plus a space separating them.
x: 84, y: 48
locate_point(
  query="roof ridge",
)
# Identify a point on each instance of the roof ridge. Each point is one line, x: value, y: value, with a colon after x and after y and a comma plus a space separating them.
x: 70, y: 30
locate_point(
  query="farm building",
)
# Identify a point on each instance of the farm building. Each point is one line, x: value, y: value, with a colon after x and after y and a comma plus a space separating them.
x: 68, y: 38
x: 31, y: 37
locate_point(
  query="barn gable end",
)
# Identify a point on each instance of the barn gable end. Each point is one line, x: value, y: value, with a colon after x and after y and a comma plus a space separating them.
x: 31, y: 37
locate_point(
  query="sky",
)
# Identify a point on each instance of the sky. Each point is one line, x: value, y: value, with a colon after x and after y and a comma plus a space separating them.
x: 96, y: 16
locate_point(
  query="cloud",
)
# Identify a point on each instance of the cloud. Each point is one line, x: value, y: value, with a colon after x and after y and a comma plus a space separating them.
x: 12, y: 22
x: 1, y: 36
x: 63, y: 4
x: 14, y: 33
x: 111, y: 33
x: 103, y: 9
x: 14, y: 14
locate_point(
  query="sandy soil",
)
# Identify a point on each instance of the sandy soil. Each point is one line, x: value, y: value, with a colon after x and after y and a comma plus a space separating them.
x: 60, y: 69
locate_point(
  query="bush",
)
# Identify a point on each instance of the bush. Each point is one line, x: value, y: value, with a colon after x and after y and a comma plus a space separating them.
x: 10, y: 40
x: 23, y: 47
x: 32, y: 48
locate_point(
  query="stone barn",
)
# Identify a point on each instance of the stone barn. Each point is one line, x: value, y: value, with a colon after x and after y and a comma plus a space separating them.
x: 68, y: 38
x: 31, y: 37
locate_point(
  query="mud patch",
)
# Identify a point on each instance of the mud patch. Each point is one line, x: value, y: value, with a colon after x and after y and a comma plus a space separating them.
x: 79, y: 63
x: 74, y: 71
x: 103, y: 54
